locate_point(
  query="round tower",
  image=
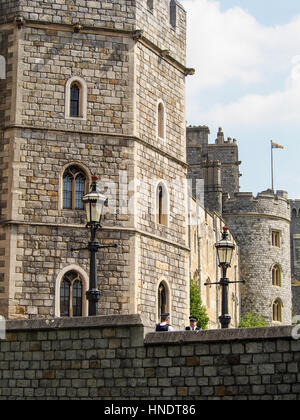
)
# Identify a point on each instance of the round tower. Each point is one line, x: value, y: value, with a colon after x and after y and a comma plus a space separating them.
x: 261, y: 227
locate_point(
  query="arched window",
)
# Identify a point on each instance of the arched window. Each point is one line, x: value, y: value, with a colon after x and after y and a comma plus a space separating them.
x: 162, y: 205
x: 162, y: 300
x: 173, y: 11
x: 277, y: 310
x: 294, y: 213
x: 276, y: 275
x: 74, y: 187
x: 161, y: 121
x: 71, y: 295
x: 76, y: 98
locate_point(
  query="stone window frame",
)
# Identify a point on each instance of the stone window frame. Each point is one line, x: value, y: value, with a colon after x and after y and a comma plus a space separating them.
x: 167, y: 287
x: 276, y: 271
x: 150, y: 5
x: 173, y: 14
x: 276, y: 238
x: 2, y: 67
x: 61, y: 183
x: 161, y: 120
x: 82, y: 98
x: 162, y: 218
x: 85, y: 285
x: 277, y: 307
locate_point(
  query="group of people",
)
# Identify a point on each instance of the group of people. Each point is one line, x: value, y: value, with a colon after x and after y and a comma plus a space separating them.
x: 165, y: 326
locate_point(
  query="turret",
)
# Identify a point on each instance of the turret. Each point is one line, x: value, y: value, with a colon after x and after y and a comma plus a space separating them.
x: 261, y: 227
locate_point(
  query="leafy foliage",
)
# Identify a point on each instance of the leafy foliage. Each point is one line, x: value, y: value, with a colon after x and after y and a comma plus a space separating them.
x: 197, y: 309
x: 252, y: 320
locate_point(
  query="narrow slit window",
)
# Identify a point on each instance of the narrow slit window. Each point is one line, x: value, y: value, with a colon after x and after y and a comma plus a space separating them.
x: 75, y: 100
x: 150, y: 5
x: 161, y: 120
x: 162, y: 205
x: 173, y: 13
x: 162, y: 300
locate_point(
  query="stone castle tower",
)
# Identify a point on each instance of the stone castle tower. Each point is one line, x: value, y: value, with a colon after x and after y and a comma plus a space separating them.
x: 217, y: 164
x: 295, y: 254
x: 93, y: 88
x: 260, y: 225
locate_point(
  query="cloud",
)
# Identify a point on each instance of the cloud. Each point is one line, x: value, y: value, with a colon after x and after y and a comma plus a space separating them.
x: 231, y: 44
x: 230, y: 48
x: 279, y: 107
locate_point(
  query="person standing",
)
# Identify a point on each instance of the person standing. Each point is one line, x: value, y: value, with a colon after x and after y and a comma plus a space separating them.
x: 164, y: 325
x: 193, y: 324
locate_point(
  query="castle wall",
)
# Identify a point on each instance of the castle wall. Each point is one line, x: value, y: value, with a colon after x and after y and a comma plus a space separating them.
x: 252, y: 220
x: 205, y: 231
x: 295, y: 239
x: 107, y: 14
x: 158, y: 81
x: 158, y: 30
x: 8, y: 9
x: 123, y: 75
x: 296, y: 300
x: 109, y: 358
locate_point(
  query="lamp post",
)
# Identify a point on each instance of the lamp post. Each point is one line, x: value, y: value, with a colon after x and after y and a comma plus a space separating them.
x: 225, y: 250
x: 94, y: 204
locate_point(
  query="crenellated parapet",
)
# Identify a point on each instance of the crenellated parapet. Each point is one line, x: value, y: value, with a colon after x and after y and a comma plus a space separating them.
x: 266, y: 203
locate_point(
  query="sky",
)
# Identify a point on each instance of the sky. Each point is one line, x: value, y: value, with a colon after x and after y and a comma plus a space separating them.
x: 246, y: 54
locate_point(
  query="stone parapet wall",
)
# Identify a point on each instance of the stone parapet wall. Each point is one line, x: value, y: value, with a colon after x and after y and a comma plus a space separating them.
x: 108, y: 14
x: 8, y: 9
x: 110, y: 358
x: 266, y: 203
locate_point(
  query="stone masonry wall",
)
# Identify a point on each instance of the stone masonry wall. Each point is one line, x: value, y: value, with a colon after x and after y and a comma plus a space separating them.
x: 107, y: 358
x: 251, y: 221
x: 8, y: 9
x: 296, y: 300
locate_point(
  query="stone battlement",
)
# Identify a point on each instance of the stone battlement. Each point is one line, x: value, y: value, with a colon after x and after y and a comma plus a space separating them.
x: 166, y: 32
x: 104, y: 14
x: 9, y: 9
x: 265, y: 203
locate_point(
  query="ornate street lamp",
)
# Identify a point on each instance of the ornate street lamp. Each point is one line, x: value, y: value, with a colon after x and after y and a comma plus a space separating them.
x: 94, y: 205
x: 225, y: 250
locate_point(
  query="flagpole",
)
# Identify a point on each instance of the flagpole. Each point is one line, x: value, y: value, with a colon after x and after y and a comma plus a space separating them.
x: 272, y: 166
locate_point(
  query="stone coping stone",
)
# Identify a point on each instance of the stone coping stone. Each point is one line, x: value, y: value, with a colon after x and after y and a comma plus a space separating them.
x: 236, y: 334
x: 79, y: 322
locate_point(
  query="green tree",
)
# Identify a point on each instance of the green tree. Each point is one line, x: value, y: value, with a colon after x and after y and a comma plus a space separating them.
x: 252, y: 320
x: 197, y: 309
